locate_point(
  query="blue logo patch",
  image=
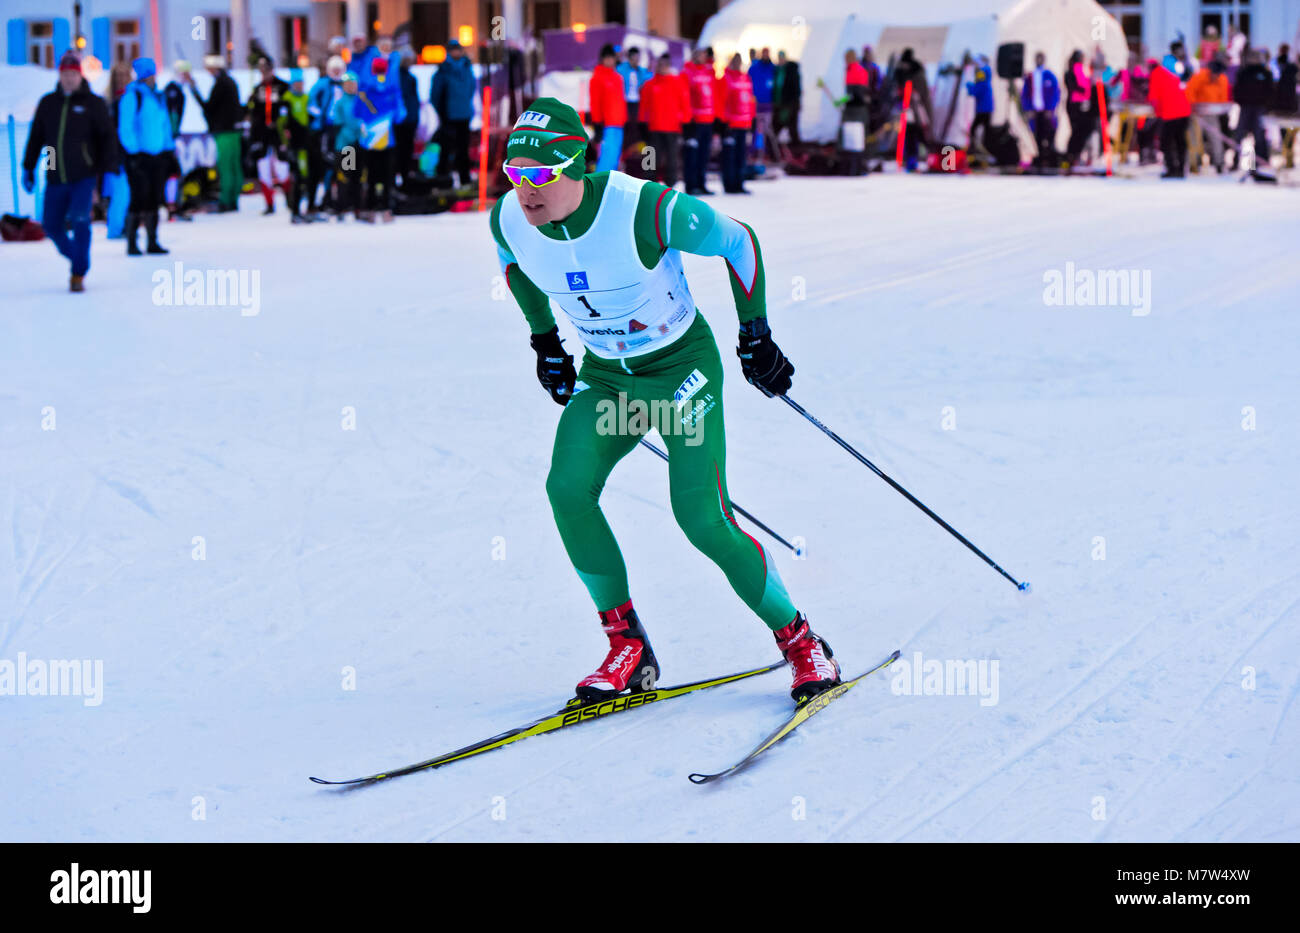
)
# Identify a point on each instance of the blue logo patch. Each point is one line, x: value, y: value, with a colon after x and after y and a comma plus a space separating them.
x: 578, y: 281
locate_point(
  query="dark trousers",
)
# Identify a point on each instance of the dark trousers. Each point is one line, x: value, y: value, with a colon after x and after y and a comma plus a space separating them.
x: 454, y: 139
x: 66, y: 219
x: 665, y: 148
x: 698, y: 140
x: 733, y: 160
x: 404, y: 136
x: 1173, y: 143
x: 317, y: 165
x: 981, y: 123
x: 1251, y: 121
x: 1082, y: 123
x: 1044, y: 137
x: 786, y: 116
x: 379, y: 178
x: 348, y: 196
x: 146, y: 174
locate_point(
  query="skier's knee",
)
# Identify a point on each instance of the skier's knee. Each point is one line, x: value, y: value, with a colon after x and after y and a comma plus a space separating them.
x: 568, y: 495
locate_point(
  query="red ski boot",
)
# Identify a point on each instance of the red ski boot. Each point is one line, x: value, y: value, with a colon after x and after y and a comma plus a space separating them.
x: 630, y: 663
x: 815, y: 669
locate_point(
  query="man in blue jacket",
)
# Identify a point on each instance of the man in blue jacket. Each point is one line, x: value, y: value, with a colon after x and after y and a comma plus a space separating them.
x: 634, y: 75
x: 379, y: 105
x: 145, y: 130
x: 324, y: 94
x: 452, y: 95
x: 982, y: 90
x: 73, y: 134
x: 1039, y: 99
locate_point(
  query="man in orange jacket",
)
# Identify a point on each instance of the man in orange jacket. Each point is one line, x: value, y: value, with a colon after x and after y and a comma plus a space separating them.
x: 1210, y: 86
x: 608, y: 109
x: 665, y: 106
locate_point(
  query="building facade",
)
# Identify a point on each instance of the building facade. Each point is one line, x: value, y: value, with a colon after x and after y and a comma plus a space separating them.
x: 37, y: 31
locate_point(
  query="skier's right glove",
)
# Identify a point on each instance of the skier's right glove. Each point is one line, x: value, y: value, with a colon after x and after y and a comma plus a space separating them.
x: 554, y: 367
x: 761, y: 360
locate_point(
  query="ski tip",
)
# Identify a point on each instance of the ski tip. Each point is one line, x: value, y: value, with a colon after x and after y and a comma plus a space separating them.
x: 1026, y: 587
x: 700, y: 778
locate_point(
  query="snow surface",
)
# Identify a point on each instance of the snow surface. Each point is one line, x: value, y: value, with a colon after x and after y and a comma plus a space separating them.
x: 1120, y: 680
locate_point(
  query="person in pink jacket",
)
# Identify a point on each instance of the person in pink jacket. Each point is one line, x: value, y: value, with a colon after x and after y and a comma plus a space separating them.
x: 738, y: 110
x: 1080, y: 106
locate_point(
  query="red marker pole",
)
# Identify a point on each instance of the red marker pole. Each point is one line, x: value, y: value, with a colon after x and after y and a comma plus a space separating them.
x: 902, y: 120
x: 1105, y: 124
x: 483, y: 147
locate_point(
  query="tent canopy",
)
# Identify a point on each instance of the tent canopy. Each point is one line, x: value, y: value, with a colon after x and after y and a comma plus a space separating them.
x: 938, y: 31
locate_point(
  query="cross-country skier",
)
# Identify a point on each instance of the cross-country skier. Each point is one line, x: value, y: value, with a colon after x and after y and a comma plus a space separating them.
x: 605, y: 248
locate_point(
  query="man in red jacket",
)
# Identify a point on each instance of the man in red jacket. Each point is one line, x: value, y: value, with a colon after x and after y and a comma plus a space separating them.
x: 665, y: 106
x: 608, y: 109
x: 738, y: 110
x: 700, y: 81
x: 1169, y: 99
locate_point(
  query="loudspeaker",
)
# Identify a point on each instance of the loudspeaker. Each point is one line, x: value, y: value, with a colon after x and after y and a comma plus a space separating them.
x: 1011, y: 60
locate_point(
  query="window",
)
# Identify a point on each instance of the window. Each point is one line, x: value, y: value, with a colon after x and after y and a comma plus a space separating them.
x: 547, y: 14
x: 615, y: 11
x: 40, y: 44
x: 126, y: 40
x: 293, y: 39
x: 692, y: 15
x: 1129, y: 14
x: 219, y: 38
x: 430, y: 23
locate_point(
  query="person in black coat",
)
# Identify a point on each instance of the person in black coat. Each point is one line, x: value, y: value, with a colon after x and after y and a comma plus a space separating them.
x: 404, y: 132
x: 223, y: 111
x: 72, y: 138
x: 1254, y: 93
x: 1285, y: 102
x: 787, y: 91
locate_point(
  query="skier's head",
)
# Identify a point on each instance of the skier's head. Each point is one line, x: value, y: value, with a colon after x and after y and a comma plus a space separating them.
x: 549, y: 137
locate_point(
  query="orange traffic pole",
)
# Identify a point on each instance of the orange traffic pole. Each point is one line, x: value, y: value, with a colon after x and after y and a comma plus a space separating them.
x: 902, y: 120
x: 483, y: 147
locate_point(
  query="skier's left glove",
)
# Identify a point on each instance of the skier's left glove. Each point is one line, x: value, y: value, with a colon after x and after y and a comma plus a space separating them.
x: 761, y: 360
x: 554, y: 367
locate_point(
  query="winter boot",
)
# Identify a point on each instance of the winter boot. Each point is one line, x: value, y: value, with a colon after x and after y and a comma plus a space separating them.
x: 630, y: 664
x: 151, y: 233
x: 132, y: 229
x: 811, y: 662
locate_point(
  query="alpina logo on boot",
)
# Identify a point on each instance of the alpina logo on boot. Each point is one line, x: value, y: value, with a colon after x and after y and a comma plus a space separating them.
x: 618, y: 659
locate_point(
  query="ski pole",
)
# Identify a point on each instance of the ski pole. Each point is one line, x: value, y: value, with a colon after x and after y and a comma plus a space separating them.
x: 663, y: 456
x: 1025, y: 587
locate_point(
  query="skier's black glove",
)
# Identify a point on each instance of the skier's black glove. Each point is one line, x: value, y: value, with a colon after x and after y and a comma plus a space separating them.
x: 761, y: 360
x: 554, y: 367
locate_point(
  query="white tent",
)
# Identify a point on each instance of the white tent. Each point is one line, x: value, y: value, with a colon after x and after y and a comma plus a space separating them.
x: 938, y: 31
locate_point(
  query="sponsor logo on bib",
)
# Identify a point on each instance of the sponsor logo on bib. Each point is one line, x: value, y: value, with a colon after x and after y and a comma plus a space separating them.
x: 577, y: 281
x: 694, y: 382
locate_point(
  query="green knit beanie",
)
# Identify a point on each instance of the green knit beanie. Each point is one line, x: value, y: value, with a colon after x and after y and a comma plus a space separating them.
x: 550, y: 132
